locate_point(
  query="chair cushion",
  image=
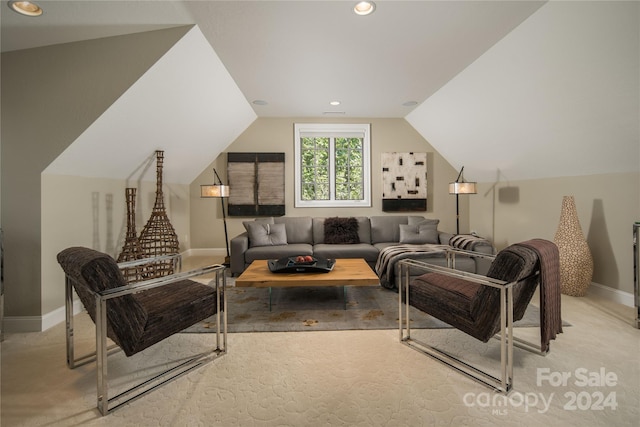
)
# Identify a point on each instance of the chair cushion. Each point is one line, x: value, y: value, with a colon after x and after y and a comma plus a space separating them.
x: 444, y: 297
x: 474, y: 308
x: 93, y: 271
x: 172, y: 308
x: 136, y: 321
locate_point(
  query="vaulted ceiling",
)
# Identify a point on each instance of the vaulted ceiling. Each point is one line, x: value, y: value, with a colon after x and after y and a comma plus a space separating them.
x: 516, y: 87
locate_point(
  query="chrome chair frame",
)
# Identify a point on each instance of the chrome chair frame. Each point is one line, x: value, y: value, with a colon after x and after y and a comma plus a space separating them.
x: 501, y: 384
x: 106, y: 404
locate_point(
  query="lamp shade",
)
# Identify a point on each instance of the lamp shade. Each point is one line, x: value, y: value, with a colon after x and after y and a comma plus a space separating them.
x: 462, y: 188
x: 214, y: 190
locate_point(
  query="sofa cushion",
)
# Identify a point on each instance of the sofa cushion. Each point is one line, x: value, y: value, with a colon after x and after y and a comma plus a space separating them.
x: 264, y: 234
x: 299, y: 229
x: 421, y: 233
x: 359, y: 250
x: 386, y: 228
x: 415, y: 220
x: 277, y: 252
x: 341, y: 230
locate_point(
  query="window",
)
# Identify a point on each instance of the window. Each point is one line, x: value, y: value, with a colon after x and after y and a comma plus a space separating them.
x: 332, y: 165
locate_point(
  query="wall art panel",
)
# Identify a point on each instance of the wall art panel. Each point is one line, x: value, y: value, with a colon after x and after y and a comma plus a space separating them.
x: 404, y: 182
x: 256, y: 184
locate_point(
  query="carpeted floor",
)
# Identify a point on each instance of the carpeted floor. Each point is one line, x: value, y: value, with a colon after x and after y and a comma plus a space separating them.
x: 337, y: 378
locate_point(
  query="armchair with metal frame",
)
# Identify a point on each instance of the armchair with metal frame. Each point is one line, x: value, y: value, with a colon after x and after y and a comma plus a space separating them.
x: 137, y: 316
x: 480, y: 306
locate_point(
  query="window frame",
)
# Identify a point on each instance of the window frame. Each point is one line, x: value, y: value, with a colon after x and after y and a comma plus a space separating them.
x: 333, y: 130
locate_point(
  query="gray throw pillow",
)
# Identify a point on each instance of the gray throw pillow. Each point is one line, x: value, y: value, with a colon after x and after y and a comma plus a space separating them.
x: 264, y: 234
x: 421, y: 233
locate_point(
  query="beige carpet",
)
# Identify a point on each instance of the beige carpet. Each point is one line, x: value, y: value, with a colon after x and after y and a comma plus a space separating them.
x: 336, y: 378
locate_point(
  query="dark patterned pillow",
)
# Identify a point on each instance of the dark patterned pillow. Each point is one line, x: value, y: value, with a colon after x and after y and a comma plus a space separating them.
x: 341, y: 230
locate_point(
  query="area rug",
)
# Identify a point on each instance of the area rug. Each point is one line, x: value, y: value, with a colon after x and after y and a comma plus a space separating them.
x: 322, y: 309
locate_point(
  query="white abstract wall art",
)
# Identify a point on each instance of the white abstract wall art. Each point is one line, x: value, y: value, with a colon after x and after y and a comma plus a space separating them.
x: 404, y: 182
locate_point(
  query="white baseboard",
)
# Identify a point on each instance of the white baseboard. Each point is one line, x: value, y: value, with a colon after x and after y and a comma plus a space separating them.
x: 205, y: 252
x: 21, y: 324
x: 611, y: 294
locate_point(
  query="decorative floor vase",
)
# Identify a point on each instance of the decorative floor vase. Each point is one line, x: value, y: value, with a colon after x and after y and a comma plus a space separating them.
x: 158, y: 236
x: 576, y: 263
x: 131, y: 250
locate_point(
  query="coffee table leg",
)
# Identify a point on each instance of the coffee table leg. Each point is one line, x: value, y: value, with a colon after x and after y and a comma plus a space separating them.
x: 344, y: 291
x: 269, y: 298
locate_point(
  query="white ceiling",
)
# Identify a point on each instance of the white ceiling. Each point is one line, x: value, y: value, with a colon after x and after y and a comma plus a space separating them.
x: 300, y: 55
x: 530, y: 89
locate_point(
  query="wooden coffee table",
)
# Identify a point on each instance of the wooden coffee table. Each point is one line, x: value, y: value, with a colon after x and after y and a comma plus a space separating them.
x: 346, y: 272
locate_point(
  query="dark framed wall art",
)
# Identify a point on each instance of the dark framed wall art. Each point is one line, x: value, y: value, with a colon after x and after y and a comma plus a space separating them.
x: 404, y: 182
x: 256, y: 184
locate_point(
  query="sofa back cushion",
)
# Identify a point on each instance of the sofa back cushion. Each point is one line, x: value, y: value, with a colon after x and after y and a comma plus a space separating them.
x: 298, y: 229
x: 364, y: 229
x: 387, y: 228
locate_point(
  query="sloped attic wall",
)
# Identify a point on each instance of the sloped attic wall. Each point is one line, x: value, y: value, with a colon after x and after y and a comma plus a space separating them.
x: 186, y: 104
x: 50, y: 96
x: 553, y: 109
x: 147, y: 115
x: 558, y: 96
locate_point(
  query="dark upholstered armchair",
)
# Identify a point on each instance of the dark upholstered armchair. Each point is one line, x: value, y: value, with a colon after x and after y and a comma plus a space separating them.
x: 137, y: 316
x: 483, y: 306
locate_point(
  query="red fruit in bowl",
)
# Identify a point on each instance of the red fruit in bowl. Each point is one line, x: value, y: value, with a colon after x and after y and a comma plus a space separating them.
x: 300, y: 258
x: 308, y: 258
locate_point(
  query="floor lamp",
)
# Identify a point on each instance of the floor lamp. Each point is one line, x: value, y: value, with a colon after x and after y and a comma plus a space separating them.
x: 460, y: 186
x: 220, y: 191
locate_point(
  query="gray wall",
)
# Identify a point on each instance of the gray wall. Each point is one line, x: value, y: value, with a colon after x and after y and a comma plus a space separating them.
x: 44, y: 112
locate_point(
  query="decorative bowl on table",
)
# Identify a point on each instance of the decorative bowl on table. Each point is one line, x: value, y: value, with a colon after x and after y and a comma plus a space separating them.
x: 302, y: 260
x: 301, y: 265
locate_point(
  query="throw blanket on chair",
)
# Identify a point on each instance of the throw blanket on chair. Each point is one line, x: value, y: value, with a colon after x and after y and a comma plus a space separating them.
x: 389, y: 256
x: 550, y: 316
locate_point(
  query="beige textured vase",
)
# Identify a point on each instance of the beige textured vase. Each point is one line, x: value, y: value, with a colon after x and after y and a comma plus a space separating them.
x: 576, y: 263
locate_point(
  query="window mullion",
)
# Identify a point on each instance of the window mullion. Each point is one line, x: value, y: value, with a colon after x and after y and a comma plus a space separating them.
x: 332, y: 168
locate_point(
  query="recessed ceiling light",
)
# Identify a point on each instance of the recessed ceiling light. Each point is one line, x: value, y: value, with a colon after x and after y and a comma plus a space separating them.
x: 364, y: 8
x: 410, y: 103
x: 26, y: 8
x: 334, y: 103
x: 260, y: 102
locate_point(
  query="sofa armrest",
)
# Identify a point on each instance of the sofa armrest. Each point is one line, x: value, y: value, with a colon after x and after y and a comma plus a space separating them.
x: 238, y: 246
x: 444, y: 237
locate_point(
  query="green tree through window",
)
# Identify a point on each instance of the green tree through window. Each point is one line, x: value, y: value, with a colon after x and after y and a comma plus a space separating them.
x: 332, y: 165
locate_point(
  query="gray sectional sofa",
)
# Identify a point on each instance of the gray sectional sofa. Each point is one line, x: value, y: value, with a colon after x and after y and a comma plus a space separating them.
x: 415, y: 237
